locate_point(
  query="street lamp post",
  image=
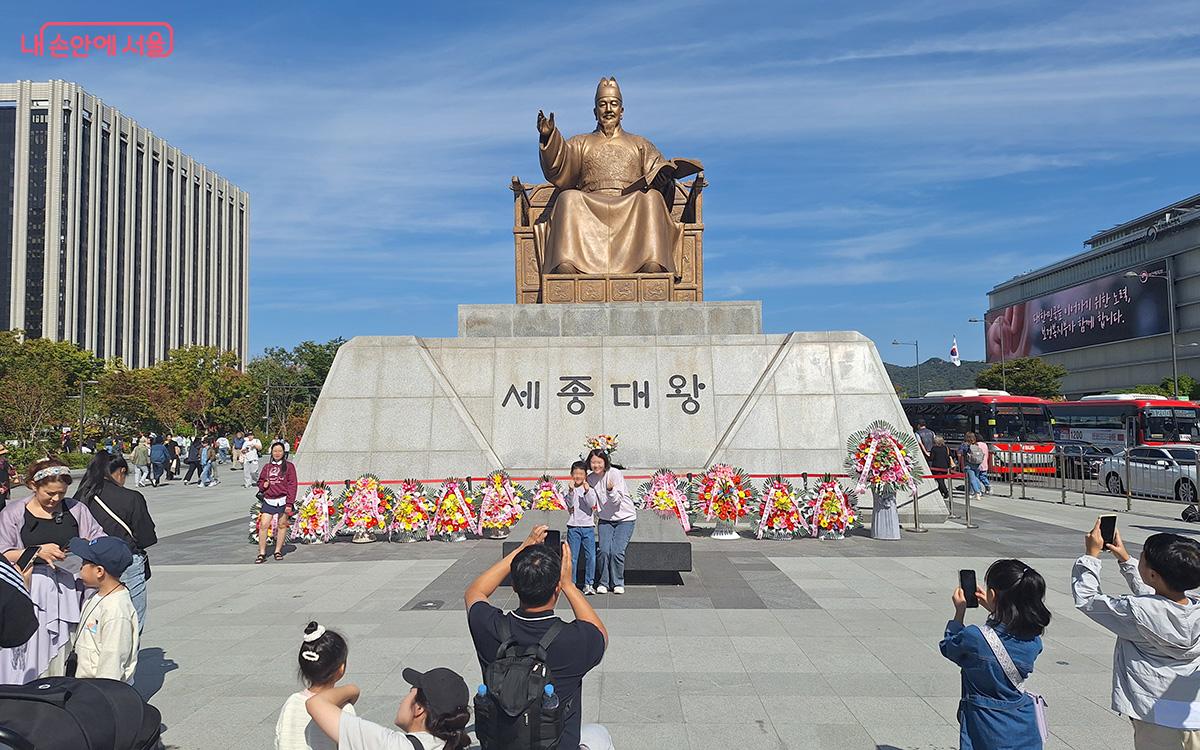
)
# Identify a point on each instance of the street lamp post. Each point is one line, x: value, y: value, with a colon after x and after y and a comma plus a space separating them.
x: 82, y: 414
x: 1003, y: 372
x: 1170, y: 279
x: 916, y: 345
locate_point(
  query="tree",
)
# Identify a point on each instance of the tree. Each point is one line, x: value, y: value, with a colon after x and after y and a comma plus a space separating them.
x: 1026, y: 376
x: 30, y: 402
x: 36, y: 377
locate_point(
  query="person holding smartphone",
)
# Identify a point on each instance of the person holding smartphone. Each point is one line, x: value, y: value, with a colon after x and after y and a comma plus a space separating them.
x: 993, y: 712
x: 48, y: 520
x: 540, y: 574
x: 1156, y: 663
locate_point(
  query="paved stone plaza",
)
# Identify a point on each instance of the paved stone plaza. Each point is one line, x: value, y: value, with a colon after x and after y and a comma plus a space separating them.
x: 800, y: 644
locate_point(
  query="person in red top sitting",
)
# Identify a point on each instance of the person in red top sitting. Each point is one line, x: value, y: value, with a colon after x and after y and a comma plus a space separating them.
x: 277, y: 490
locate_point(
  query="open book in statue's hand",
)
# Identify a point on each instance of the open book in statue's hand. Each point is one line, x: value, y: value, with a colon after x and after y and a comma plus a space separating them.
x: 672, y: 169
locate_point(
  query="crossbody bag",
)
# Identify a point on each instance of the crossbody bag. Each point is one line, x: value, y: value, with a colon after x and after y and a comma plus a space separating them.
x: 1010, y: 671
x: 129, y: 531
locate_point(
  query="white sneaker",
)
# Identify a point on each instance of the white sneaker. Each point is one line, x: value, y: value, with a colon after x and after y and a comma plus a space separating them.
x: 601, y: 589
x: 618, y: 589
x: 588, y: 590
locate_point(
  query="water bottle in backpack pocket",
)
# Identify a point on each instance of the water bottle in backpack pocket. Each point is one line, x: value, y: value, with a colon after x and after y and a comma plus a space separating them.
x: 517, y: 706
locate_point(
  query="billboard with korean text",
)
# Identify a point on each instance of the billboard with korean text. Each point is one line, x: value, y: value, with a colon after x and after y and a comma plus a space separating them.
x: 1111, y: 308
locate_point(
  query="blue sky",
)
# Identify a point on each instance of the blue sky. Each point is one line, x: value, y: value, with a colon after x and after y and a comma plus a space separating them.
x: 873, y: 166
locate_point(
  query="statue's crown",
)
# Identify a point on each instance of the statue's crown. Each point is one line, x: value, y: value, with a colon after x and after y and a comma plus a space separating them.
x: 608, y: 87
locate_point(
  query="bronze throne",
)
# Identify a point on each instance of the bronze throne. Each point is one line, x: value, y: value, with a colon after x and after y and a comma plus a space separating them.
x: 532, y: 204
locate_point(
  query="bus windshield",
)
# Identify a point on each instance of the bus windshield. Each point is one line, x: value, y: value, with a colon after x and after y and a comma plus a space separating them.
x: 1022, y: 423
x: 1164, y: 424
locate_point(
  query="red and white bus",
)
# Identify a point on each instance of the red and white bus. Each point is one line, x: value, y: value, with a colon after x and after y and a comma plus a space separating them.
x: 1010, y: 425
x: 1121, y: 420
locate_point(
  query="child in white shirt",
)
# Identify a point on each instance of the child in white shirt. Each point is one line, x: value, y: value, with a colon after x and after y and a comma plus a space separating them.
x: 322, y: 659
x: 106, y: 643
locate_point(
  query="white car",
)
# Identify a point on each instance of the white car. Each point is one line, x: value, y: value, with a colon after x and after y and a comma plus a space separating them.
x: 1153, y: 471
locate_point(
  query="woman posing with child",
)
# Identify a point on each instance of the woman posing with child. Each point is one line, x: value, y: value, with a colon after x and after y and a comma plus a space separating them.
x: 617, y: 515
x: 994, y: 713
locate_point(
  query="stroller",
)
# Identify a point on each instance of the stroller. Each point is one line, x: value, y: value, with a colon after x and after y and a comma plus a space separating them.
x: 65, y: 713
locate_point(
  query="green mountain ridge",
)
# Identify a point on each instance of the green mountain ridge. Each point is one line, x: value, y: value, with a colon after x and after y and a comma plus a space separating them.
x: 936, y: 375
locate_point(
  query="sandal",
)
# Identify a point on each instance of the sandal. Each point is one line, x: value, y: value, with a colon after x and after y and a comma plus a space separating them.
x: 260, y: 559
x: 278, y: 555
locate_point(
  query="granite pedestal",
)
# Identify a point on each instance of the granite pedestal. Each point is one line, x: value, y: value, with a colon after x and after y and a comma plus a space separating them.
x: 683, y: 385
x: 658, y: 545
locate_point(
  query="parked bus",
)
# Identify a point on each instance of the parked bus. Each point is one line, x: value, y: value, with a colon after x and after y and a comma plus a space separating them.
x: 1119, y: 421
x: 1017, y: 429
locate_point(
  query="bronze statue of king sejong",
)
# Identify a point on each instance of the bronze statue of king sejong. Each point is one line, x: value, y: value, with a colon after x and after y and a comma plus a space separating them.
x: 610, y: 216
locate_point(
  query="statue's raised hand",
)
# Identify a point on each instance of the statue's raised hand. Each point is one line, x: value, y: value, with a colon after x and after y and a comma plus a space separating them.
x: 545, y: 124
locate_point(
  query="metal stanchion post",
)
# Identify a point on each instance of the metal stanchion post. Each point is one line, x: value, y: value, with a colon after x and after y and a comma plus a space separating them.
x: 1128, y: 485
x: 1060, y: 462
x: 1008, y: 463
x: 916, y: 527
x: 1021, y: 459
x: 967, y: 501
x: 1083, y: 488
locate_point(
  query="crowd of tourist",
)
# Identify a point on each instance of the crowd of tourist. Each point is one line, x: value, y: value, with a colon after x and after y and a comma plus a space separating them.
x: 156, y: 459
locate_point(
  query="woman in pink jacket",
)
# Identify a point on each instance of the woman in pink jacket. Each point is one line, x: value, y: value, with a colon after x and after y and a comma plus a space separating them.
x: 277, y: 491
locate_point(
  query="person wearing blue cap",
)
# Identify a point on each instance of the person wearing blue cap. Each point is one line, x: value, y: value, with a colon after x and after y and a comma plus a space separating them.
x: 106, y: 643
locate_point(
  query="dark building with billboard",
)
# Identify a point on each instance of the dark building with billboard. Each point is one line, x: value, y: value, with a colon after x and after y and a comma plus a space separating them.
x: 1123, y: 313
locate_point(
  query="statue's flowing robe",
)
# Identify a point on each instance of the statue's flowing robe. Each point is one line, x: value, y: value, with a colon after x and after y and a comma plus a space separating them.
x: 593, y: 227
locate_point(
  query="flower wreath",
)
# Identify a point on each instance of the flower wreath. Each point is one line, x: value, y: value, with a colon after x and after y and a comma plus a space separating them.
x: 454, y: 513
x: 255, y: 509
x: 412, y: 510
x: 317, y: 515
x: 725, y: 493
x: 547, y: 494
x: 366, y: 505
x: 882, y: 458
x: 663, y: 495
x: 779, y: 509
x: 827, y: 510
x: 499, y: 502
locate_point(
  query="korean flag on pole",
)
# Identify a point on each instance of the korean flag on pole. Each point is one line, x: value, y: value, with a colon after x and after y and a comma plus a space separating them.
x: 954, y: 360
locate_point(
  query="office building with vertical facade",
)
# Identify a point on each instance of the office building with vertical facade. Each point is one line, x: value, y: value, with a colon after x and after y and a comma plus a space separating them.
x: 112, y: 238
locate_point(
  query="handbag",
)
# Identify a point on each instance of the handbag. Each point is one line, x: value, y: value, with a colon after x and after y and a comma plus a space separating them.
x: 1010, y: 671
x: 145, y: 557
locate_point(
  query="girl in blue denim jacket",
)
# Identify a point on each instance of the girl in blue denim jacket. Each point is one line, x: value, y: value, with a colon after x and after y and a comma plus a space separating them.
x: 992, y: 713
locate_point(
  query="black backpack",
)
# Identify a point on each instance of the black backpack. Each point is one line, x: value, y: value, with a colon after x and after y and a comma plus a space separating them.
x: 510, y: 716
x: 65, y: 713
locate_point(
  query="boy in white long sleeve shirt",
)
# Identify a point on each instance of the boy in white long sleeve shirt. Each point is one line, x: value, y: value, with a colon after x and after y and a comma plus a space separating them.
x: 581, y: 526
x: 1156, y: 665
x: 106, y: 644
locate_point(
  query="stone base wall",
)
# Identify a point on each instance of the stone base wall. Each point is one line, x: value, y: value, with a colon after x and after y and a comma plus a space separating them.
x: 402, y: 407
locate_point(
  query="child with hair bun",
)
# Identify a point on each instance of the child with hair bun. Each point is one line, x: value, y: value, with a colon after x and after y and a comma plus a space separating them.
x: 996, y: 712
x: 322, y: 661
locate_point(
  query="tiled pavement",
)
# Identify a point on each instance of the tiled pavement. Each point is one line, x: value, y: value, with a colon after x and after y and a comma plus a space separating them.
x: 800, y: 644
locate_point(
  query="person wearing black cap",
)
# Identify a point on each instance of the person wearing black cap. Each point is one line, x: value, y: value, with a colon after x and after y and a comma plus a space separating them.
x: 106, y: 643
x: 433, y: 716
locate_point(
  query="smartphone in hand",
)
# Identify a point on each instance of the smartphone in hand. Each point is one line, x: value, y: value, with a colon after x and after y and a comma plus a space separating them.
x: 966, y: 580
x: 1108, y: 528
x: 26, y: 558
x: 553, y: 539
